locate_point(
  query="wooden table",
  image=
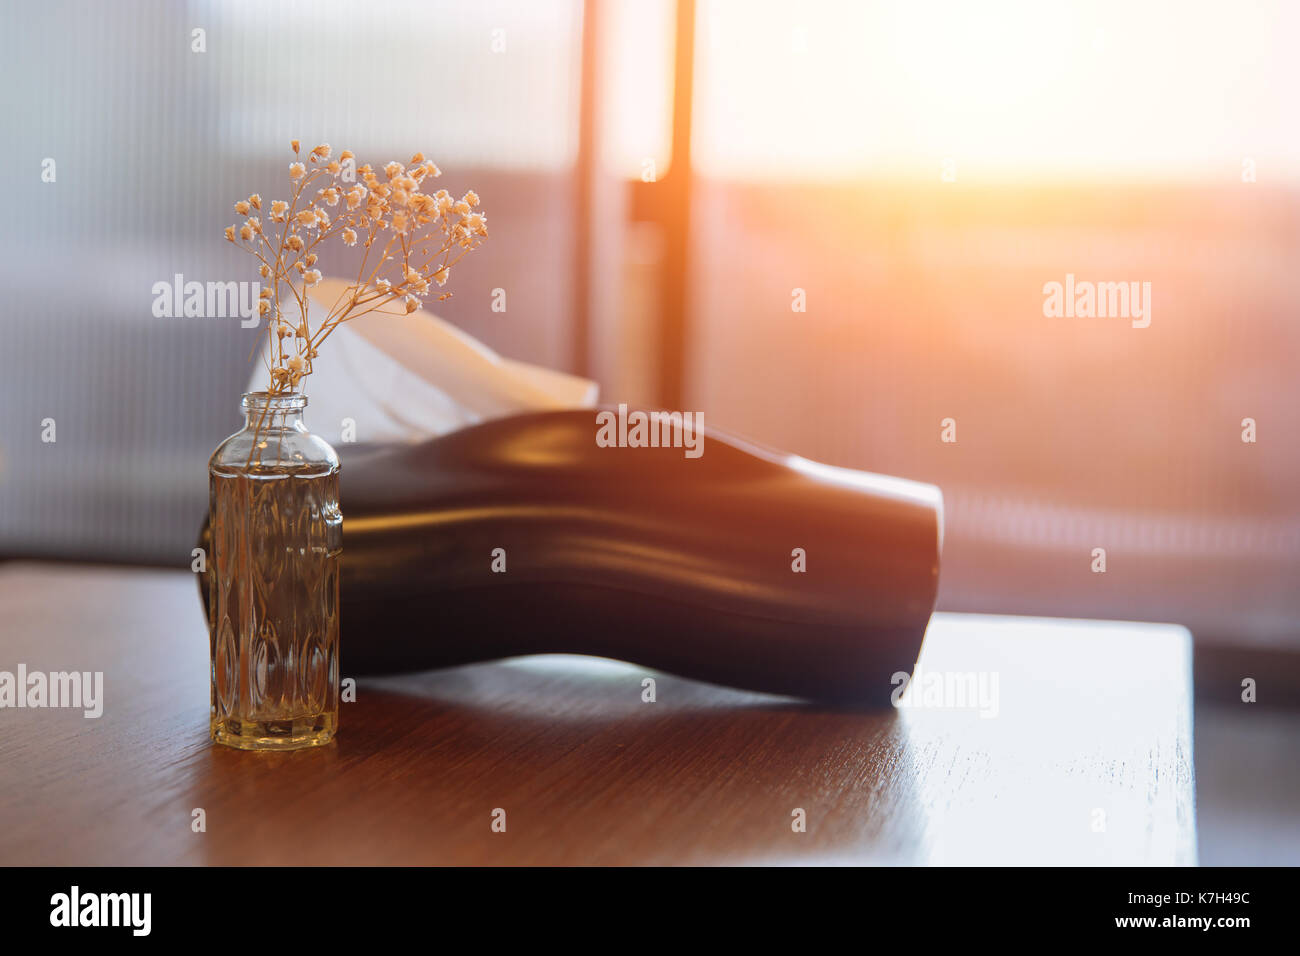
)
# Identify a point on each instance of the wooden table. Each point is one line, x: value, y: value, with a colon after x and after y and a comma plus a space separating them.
x: 1087, y: 760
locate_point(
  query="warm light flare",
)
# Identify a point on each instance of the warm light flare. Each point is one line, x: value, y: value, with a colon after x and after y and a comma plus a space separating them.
x: 1005, y: 89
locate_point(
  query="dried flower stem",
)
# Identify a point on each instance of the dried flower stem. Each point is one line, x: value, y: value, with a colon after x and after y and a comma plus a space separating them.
x: 428, y: 235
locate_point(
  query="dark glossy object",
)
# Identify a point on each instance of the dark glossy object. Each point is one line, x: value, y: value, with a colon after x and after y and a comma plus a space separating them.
x: 643, y: 554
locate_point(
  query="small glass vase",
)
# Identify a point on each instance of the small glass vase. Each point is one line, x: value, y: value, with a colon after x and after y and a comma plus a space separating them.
x: 276, y: 536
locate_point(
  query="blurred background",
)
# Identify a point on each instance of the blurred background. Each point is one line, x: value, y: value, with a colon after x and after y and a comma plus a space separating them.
x: 667, y: 182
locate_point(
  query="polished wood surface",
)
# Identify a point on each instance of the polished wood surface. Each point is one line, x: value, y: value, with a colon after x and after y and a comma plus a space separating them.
x: 1088, y: 758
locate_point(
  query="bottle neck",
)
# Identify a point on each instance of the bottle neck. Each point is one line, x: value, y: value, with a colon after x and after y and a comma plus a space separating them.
x: 264, y: 412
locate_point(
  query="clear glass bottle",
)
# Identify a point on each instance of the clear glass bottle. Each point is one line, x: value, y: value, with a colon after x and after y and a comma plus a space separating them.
x: 276, y: 536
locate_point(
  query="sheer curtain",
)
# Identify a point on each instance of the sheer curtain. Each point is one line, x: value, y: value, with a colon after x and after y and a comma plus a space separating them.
x: 157, y: 116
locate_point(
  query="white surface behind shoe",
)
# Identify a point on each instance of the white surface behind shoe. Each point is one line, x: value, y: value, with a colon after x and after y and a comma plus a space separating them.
x: 402, y: 377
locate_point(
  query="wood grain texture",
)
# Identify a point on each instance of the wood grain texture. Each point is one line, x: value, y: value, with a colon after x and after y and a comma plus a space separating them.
x: 1090, y: 718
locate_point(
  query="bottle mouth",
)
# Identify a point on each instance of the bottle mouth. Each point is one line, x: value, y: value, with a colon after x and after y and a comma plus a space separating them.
x: 281, y: 402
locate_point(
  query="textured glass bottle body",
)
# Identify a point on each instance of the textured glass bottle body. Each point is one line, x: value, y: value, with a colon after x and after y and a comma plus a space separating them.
x: 273, y: 608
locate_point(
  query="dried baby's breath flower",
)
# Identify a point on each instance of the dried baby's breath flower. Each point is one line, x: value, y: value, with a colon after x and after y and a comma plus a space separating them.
x: 409, y: 238
x: 425, y: 206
